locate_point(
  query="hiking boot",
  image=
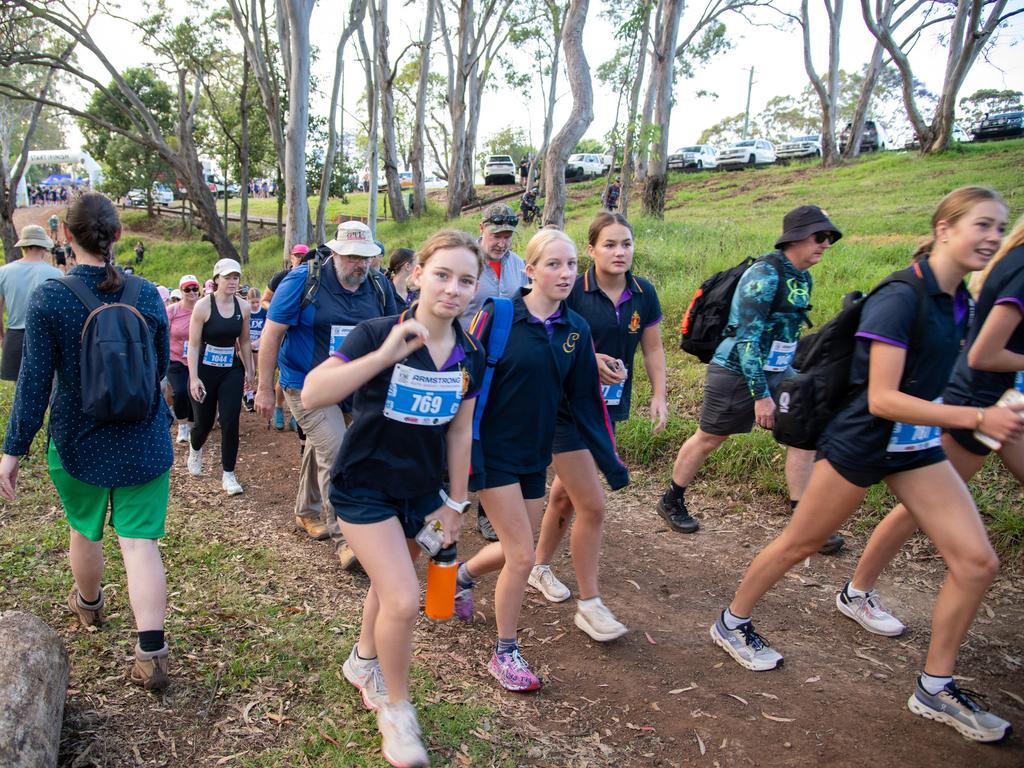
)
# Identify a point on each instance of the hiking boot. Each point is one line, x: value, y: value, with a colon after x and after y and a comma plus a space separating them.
x: 483, y: 525
x: 545, y: 582
x: 313, y: 527
x: 230, y: 484
x: 512, y: 672
x: 869, y: 612
x: 400, y: 736
x: 183, y: 433
x: 150, y: 669
x: 278, y: 420
x: 366, y: 675
x: 746, y: 646
x: 88, y: 617
x: 677, y: 516
x: 597, y: 621
x: 833, y: 545
x: 464, y: 603
x: 195, y: 461
x: 959, y: 709
x: 347, y: 558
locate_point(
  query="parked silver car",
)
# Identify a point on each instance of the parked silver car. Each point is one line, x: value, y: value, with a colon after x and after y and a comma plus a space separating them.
x: 800, y: 146
x: 698, y: 156
x: 749, y: 152
x: 499, y: 169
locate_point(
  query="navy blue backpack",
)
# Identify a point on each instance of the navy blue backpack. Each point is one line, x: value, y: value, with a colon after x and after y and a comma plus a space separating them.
x: 118, y: 357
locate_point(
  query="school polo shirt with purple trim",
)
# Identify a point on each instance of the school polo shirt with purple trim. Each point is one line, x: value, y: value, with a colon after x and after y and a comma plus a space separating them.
x: 402, y: 460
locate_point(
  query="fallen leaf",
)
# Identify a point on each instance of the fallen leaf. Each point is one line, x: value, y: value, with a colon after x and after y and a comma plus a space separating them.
x: 1013, y: 696
x: 630, y: 581
x: 815, y: 679
x: 700, y: 743
x: 683, y: 690
x: 768, y: 695
x: 740, y: 699
x: 776, y: 719
x: 861, y: 655
x: 655, y: 707
x: 650, y: 639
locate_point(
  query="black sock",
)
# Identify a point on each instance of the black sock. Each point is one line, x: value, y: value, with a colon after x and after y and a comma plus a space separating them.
x: 371, y: 658
x: 674, y: 492
x: 93, y: 604
x: 151, y: 640
x: 792, y: 504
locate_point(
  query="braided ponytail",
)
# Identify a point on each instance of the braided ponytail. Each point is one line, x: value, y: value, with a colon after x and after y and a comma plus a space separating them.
x: 93, y: 221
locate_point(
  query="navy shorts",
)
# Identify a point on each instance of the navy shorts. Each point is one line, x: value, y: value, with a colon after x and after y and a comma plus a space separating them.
x: 568, y: 437
x: 532, y: 484
x: 864, y: 474
x: 965, y: 437
x: 728, y: 407
x: 363, y: 506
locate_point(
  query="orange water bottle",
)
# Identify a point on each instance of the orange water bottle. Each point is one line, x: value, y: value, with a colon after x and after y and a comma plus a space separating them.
x: 441, y: 573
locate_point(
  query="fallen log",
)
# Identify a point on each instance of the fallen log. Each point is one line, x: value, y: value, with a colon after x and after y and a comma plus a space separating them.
x: 33, y: 684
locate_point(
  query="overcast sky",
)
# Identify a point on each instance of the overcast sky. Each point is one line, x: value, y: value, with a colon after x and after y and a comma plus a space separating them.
x: 776, y: 56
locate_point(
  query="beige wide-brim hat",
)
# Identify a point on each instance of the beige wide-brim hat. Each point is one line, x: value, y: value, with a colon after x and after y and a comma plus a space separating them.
x: 353, y: 238
x: 34, y: 236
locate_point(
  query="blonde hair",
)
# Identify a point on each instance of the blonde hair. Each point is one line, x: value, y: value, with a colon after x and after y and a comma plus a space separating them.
x: 954, y: 207
x: 450, y: 238
x: 252, y: 294
x: 540, y: 241
x: 1013, y: 240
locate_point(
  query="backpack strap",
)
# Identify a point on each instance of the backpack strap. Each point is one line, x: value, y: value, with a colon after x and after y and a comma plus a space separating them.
x: 912, y: 276
x: 132, y: 289
x: 375, y: 279
x: 501, y: 328
x: 81, y: 291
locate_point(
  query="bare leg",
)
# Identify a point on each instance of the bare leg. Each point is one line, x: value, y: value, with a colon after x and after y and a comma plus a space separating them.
x: 86, y: 558
x: 943, y: 508
x: 827, y: 501
x: 692, y: 455
x: 367, y: 644
x: 556, y: 520
x: 147, y: 582
x: 799, y: 465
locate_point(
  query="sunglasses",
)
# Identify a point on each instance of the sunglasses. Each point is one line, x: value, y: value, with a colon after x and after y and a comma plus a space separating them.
x: 192, y: 289
x: 511, y: 220
x: 822, y: 237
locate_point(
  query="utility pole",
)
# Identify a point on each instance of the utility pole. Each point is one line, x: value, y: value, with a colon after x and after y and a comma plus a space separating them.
x: 746, y: 115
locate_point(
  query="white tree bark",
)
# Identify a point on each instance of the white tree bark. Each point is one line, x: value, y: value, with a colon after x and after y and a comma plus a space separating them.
x: 419, y: 190
x: 385, y: 88
x: 657, y: 164
x: 629, y: 149
x: 296, y: 197
x: 828, y: 95
x: 371, y: 151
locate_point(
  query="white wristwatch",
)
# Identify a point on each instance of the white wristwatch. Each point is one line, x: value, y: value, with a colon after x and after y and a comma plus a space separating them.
x: 458, y: 506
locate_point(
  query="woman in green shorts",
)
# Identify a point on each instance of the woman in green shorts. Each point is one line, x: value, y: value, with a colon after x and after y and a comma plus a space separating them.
x: 120, y: 469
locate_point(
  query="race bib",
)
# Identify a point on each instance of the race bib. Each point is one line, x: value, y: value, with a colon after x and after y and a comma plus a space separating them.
x: 255, y: 333
x: 423, y: 397
x: 338, y: 334
x: 1018, y: 381
x: 184, y: 349
x: 780, y: 356
x: 218, y: 357
x: 907, y: 438
x: 612, y: 393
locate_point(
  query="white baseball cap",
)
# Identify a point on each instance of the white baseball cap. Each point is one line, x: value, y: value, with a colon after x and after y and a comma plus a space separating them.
x: 227, y: 267
x: 353, y: 238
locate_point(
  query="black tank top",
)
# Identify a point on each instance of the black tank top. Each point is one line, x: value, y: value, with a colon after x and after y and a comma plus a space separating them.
x: 221, y: 331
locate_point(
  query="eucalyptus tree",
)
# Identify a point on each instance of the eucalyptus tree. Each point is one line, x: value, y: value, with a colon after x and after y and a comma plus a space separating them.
x: 416, y: 160
x: 386, y: 91
x: 828, y: 93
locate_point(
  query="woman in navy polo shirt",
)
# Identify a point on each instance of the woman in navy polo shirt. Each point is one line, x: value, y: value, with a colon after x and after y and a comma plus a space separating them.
x: 990, y: 363
x: 624, y: 313
x: 405, y: 435
x: 549, y: 357
x: 875, y: 438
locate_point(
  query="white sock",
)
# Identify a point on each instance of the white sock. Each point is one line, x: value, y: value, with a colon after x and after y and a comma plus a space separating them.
x: 852, y: 591
x: 932, y: 683
x: 731, y: 620
x: 590, y: 602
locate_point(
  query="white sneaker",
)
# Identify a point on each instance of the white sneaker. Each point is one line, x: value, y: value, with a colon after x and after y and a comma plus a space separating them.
x: 747, y: 647
x: 400, y: 736
x: 366, y: 675
x: 183, y: 433
x: 195, y: 461
x: 230, y: 484
x: 869, y: 612
x: 545, y: 582
x: 597, y: 621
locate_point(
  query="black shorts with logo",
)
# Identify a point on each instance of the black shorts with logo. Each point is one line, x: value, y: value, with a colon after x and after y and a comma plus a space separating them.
x: 728, y: 407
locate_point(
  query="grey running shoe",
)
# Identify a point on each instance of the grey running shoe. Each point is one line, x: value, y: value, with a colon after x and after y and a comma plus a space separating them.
x: 832, y: 546
x: 366, y: 675
x: 746, y: 646
x: 959, y: 708
x: 869, y: 612
x: 483, y: 525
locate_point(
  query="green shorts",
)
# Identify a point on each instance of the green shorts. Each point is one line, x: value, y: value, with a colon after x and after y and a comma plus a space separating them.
x: 136, y: 511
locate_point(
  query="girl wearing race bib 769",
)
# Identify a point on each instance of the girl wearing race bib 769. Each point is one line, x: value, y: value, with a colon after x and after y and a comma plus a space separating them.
x: 415, y: 378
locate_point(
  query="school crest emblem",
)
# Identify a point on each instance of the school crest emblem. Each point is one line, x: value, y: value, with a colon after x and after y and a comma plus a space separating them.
x: 465, y: 381
x: 634, y: 322
x: 570, y: 343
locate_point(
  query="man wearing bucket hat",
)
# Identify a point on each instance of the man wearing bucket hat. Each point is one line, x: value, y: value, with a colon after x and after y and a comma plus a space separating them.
x: 313, y: 309
x: 768, y: 312
x: 17, y: 282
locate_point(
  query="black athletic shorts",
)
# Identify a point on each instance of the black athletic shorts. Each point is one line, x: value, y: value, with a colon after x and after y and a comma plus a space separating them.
x: 362, y: 506
x: 532, y: 484
x: 864, y: 474
x: 728, y: 407
x: 568, y: 437
x: 14, y: 345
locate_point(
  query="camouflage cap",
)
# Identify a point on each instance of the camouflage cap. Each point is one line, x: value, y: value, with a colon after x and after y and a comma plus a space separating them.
x: 499, y: 217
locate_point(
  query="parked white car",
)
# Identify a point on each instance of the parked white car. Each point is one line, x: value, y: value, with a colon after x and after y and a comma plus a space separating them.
x: 698, y: 156
x: 800, y: 146
x: 585, y: 166
x: 161, y: 194
x: 748, y: 152
x: 499, y: 169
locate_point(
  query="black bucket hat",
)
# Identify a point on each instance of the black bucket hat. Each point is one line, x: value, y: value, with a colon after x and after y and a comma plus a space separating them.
x: 804, y: 221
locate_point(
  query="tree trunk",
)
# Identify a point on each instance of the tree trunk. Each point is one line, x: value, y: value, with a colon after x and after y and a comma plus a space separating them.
x: 243, y: 166
x: 457, y: 110
x: 474, y: 89
x: 860, y: 111
x: 649, y: 94
x: 385, y: 86
x: 371, y: 108
x: 419, y: 190
x: 579, y: 119
x: 828, y: 96
x: 634, y: 99
x: 33, y: 685
x: 657, y: 165
x: 296, y: 196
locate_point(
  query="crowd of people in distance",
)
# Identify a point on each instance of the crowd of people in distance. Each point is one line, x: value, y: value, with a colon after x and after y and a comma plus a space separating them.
x: 40, y: 195
x: 408, y: 385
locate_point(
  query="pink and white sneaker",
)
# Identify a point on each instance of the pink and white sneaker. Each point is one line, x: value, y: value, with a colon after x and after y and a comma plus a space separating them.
x: 512, y: 671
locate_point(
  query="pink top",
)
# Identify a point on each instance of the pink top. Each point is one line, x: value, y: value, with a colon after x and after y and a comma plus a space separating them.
x: 178, y: 317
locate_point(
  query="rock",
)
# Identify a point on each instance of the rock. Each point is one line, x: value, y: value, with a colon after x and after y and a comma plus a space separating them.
x: 33, y: 684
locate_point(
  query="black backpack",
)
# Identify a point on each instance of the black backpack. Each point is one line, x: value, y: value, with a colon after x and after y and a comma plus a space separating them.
x: 118, y: 357
x: 706, y: 320
x: 314, y: 276
x: 811, y: 398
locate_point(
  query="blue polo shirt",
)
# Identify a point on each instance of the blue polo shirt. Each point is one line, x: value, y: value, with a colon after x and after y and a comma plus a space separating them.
x: 402, y: 460
x: 616, y: 328
x: 314, y: 329
x: 857, y: 437
x: 1003, y: 285
x: 544, y: 362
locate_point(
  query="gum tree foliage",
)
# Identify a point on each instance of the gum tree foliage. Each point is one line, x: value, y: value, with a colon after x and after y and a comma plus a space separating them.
x: 988, y: 101
x: 512, y: 141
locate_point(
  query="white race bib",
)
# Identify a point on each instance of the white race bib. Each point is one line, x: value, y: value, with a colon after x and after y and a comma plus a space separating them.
x: 218, y: 357
x: 780, y: 356
x: 612, y: 393
x: 338, y: 334
x: 907, y: 438
x: 423, y: 397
